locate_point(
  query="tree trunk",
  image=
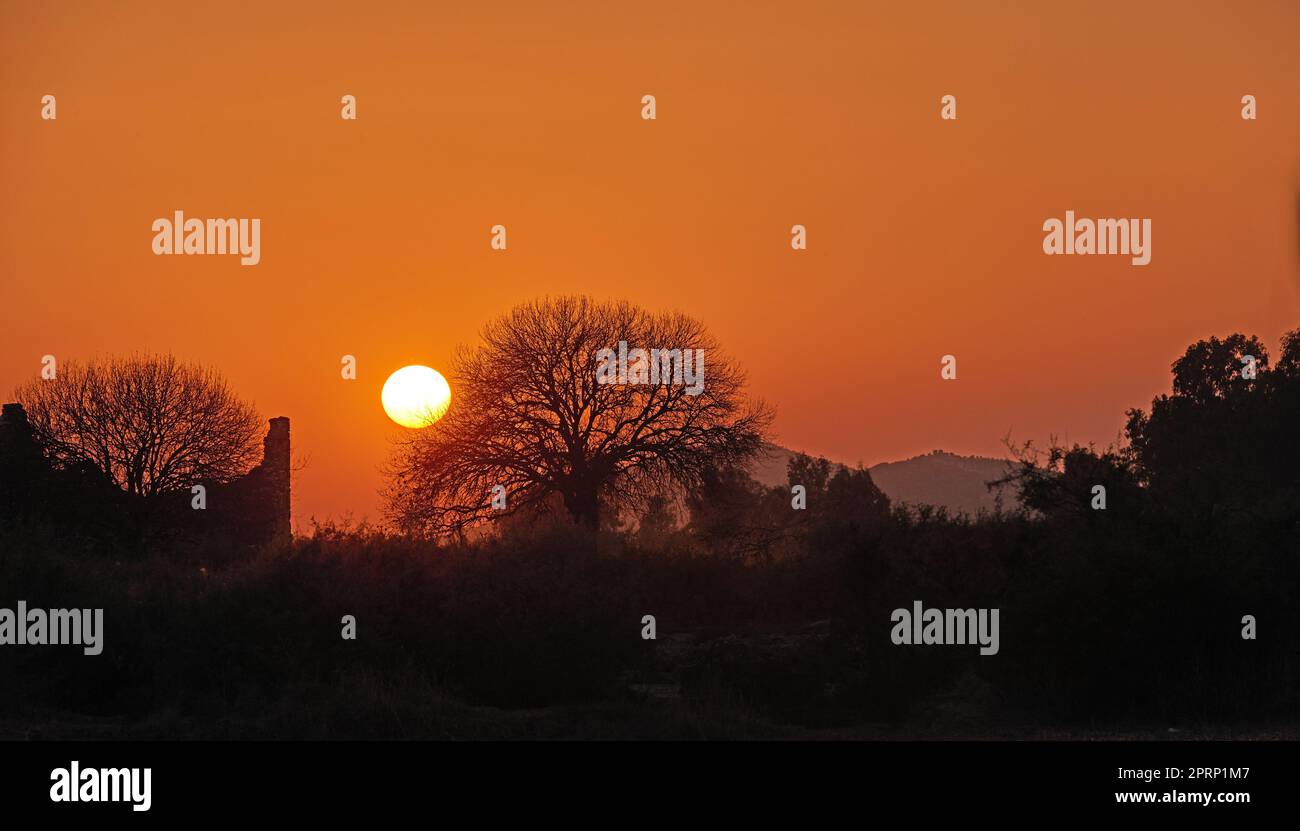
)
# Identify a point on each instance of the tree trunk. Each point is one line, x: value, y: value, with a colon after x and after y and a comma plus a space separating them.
x: 584, y: 506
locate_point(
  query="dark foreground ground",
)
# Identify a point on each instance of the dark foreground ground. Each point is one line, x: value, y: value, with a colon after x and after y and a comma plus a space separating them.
x: 653, y: 704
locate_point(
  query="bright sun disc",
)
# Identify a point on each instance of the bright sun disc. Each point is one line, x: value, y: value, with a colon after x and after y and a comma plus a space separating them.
x: 416, y: 396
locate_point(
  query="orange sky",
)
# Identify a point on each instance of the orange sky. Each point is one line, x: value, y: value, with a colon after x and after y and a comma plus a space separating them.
x: 924, y: 236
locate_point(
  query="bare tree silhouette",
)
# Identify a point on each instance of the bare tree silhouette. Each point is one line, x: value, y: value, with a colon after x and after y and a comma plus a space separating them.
x: 529, y: 414
x: 151, y: 424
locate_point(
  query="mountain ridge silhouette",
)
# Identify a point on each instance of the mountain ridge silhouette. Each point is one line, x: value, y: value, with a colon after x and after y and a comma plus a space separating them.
x: 937, y: 478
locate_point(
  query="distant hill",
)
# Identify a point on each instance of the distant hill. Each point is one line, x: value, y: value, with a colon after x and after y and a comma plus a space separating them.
x: 937, y: 478
x: 945, y: 479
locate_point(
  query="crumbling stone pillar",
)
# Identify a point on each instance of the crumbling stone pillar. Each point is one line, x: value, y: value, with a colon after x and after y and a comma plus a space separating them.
x: 22, y: 466
x: 275, y: 468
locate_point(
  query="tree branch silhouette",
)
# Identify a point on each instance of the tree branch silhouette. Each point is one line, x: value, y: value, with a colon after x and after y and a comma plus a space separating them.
x: 530, y: 415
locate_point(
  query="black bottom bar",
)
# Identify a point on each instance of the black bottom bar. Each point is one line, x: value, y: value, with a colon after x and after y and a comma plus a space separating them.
x: 333, y: 780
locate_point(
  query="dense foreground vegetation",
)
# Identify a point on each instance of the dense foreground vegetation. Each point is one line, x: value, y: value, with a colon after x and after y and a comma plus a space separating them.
x: 770, y: 621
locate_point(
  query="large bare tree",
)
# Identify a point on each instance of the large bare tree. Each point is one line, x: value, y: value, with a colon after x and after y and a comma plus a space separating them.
x: 530, y: 413
x: 151, y: 424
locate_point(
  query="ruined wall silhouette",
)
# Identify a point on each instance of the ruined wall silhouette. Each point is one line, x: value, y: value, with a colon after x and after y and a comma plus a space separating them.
x: 251, y: 511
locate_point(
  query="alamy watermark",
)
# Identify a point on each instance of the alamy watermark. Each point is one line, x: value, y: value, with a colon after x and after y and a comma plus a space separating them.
x: 55, y: 627
x: 179, y: 235
x: 945, y: 627
x: 75, y: 784
x: 1128, y: 237
x: 651, y: 366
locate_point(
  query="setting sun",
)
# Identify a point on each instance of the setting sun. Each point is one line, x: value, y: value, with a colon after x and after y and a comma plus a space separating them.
x: 416, y: 396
